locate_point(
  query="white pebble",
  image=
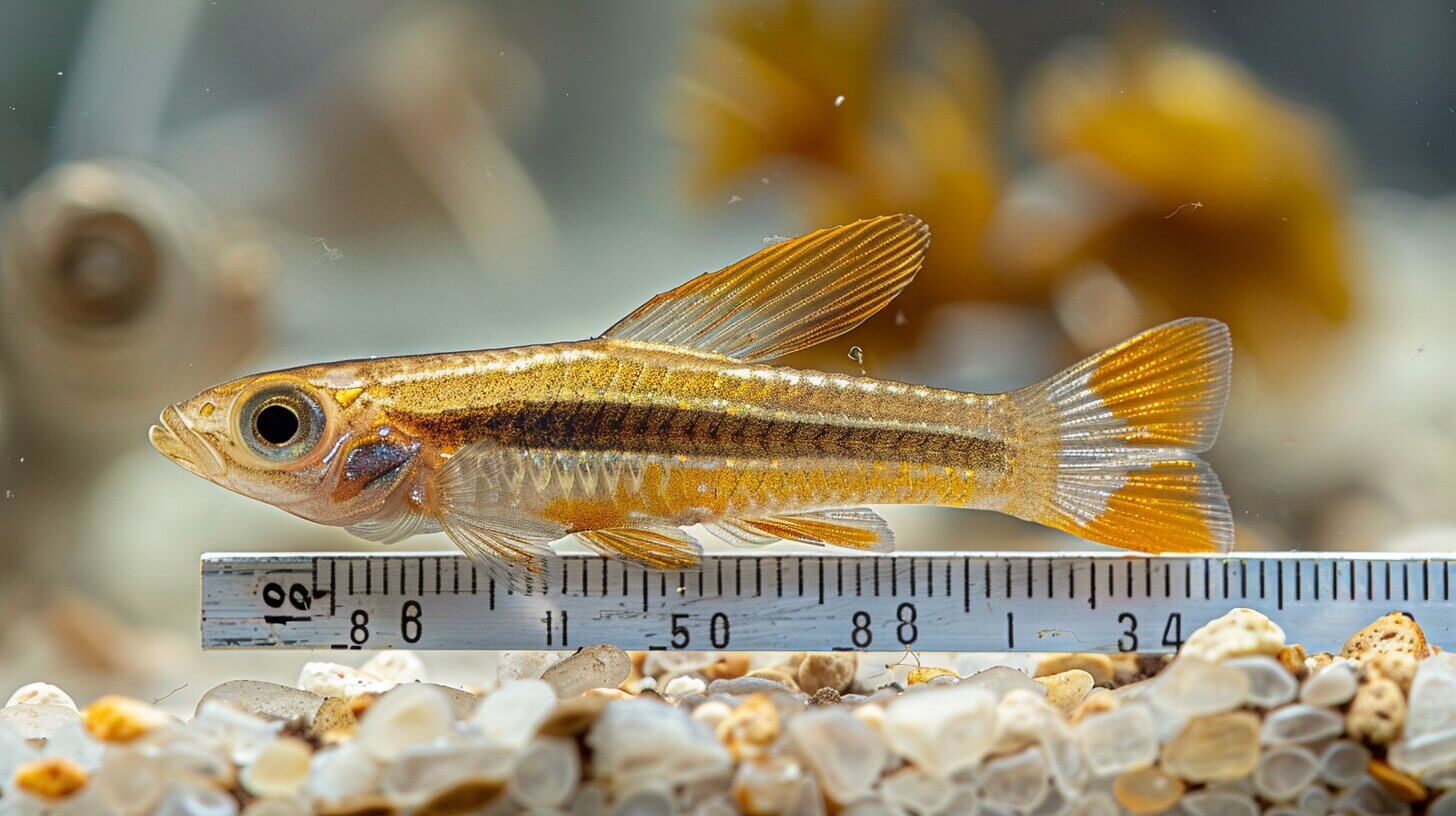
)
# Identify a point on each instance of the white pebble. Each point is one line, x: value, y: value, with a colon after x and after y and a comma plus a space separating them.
x: 1239, y: 633
x: 395, y: 666
x: 41, y: 694
x: 239, y: 735
x: 334, y: 680
x: 712, y: 712
x: 636, y: 742
x: 525, y: 665
x: 684, y: 685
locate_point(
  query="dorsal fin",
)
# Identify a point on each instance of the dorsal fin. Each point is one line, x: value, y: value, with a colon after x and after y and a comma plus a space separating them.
x: 788, y: 296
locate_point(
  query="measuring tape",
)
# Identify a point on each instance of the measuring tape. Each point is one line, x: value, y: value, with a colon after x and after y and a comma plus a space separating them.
x: 997, y: 602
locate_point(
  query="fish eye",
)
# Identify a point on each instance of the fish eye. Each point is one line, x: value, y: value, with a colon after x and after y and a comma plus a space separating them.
x: 283, y: 423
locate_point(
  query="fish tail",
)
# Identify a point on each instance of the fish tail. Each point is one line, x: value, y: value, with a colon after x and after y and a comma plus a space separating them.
x: 1125, y: 426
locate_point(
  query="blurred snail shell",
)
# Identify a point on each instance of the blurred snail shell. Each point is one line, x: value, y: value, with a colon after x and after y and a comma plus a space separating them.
x: 117, y: 284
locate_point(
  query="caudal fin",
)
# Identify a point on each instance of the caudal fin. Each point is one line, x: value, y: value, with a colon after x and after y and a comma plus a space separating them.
x: 1127, y: 425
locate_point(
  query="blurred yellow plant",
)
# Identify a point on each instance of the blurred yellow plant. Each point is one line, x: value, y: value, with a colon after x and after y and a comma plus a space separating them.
x: 827, y: 94
x: 1195, y: 186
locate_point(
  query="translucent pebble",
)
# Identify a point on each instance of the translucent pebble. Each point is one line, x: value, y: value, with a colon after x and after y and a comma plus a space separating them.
x: 1301, y: 723
x: 1118, y: 740
x: 1433, y: 696
x: 1343, y: 762
x: 546, y: 773
x: 426, y: 769
x: 1000, y: 679
x: 1021, y: 718
x: 510, y: 715
x: 1096, y: 803
x: 276, y: 701
x: 1331, y: 686
x: 590, y: 800
x: 1440, y: 779
x: 1368, y: 798
x: 600, y: 666
x: 74, y: 742
x: 238, y: 735
x: 942, y: 730
x: 963, y: 800
x: 1315, y: 800
x: 197, y: 801
x: 1147, y: 791
x: 406, y: 715
x: 1064, y: 758
x: 846, y: 756
x: 279, y: 770
x: 916, y: 793
x: 277, y: 807
x: 1017, y: 782
x: 1191, y: 687
x: 515, y: 666
x: 341, y: 772
x: 1219, y: 803
x: 645, y: 802
x: 1424, y: 754
x: 1443, y: 805
x: 37, y: 721
x: 1429, y: 739
x: 869, y: 807
x: 128, y: 783
x: 768, y: 784
x: 1284, y: 771
x: 1219, y: 747
x: 41, y: 694
x: 1270, y: 684
x: 637, y: 742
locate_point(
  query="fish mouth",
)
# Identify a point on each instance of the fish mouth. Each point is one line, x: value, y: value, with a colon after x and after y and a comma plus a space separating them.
x: 176, y: 440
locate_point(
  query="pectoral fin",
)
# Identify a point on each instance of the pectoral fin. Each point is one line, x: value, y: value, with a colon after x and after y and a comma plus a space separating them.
x: 788, y: 296
x: 654, y: 547
x: 509, y: 544
x: 857, y: 528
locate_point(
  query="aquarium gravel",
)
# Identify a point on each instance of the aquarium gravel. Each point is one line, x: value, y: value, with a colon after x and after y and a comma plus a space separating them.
x: 1240, y: 722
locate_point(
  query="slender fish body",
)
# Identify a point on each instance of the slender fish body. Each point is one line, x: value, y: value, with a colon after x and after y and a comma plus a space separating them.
x: 673, y: 418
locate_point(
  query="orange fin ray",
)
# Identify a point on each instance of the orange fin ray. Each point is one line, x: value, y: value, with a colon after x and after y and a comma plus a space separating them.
x: 1126, y: 426
x: 788, y: 296
x: 856, y: 528
x: 654, y: 547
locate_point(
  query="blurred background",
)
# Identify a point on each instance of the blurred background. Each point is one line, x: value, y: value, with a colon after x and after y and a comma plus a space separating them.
x: 196, y: 190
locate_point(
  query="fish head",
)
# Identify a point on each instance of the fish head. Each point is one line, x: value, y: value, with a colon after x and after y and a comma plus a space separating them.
x: 301, y: 440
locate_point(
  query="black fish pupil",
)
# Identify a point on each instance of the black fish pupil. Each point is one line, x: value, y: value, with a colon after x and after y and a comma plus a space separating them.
x: 276, y: 424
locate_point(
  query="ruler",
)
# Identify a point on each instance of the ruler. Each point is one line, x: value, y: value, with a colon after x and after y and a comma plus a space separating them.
x: 955, y: 602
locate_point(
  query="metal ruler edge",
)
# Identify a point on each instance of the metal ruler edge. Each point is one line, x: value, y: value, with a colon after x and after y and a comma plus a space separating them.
x: 815, y: 601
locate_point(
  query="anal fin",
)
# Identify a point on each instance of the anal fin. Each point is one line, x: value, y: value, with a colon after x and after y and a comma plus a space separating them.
x: 654, y: 547
x: 856, y: 528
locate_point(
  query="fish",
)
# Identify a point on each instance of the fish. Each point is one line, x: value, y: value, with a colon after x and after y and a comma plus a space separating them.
x: 676, y: 417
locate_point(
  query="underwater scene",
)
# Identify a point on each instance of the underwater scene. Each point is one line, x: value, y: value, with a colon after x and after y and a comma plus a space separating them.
x: 765, y: 407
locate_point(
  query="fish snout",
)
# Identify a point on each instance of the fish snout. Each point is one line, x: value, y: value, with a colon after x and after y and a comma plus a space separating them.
x: 175, y: 439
